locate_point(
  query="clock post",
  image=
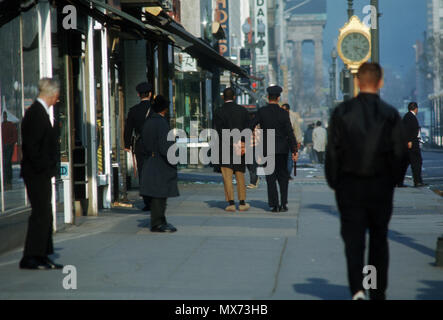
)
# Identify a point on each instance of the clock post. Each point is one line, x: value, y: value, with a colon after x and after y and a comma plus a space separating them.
x: 354, y: 46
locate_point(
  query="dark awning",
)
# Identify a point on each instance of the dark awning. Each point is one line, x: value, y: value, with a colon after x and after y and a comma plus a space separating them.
x: 207, y: 57
x: 10, y: 9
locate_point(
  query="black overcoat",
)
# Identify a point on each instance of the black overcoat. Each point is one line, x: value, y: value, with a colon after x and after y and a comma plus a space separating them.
x: 159, y: 177
x: 39, y: 144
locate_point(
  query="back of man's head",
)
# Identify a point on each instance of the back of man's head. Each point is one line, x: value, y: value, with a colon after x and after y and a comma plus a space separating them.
x: 318, y: 123
x: 228, y: 94
x: 369, y: 75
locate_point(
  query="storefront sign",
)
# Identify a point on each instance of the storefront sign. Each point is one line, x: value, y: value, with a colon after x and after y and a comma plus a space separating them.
x: 185, y: 63
x: 222, y: 17
x: 261, y: 32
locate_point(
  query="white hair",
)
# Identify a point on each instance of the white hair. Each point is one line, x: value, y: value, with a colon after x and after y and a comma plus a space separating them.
x: 48, y: 87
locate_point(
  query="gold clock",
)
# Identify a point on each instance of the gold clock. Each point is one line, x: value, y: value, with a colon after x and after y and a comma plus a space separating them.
x: 354, y: 44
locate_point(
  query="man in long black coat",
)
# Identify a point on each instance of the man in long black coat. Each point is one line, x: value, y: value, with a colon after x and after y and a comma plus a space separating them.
x: 274, y: 117
x: 38, y: 166
x: 413, y: 158
x: 137, y: 116
x: 363, y: 155
x: 232, y: 116
x: 159, y: 176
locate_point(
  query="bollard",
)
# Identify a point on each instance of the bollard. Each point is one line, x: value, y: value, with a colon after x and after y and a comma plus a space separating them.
x: 439, y: 252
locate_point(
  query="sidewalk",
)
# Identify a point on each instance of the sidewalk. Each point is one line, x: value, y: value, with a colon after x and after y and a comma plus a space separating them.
x: 218, y: 255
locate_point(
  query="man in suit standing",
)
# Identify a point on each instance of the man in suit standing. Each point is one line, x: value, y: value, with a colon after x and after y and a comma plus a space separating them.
x: 413, y: 158
x: 232, y: 116
x: 363, y: 155
x: 134, y: 125
x: 38, y: 166
x: 276, y: 118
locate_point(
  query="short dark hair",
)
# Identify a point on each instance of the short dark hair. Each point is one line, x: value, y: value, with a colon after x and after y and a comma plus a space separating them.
x: 286, y: 106
x: 370, y: 73
x: 273, y: 96
x: 228, y: 94
x: 412, y: 106
x: 160, y: 104
x: 144, y: 95
x: 318, y: 123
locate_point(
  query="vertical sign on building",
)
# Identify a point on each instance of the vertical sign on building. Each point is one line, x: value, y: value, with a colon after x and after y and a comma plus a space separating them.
x: 261, y: 33
x: 222, y: 17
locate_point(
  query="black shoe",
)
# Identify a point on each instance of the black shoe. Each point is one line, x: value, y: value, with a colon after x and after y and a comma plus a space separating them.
x: 419, y: 185
x: 52, y: 264
x: 164, y: 228
x: 34, y: 264
x: 275, y: 209
x: 283, y: 208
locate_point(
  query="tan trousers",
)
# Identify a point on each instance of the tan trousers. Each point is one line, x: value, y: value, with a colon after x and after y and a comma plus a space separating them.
x: 227, y: 174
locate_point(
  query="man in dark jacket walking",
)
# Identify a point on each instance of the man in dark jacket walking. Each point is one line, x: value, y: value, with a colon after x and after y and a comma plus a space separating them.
x: 232, y: 116
x: 413, y: 158
x: 273, y: 117
x: 137, y: 116
x: 38, y: 166
x: 363, y: 156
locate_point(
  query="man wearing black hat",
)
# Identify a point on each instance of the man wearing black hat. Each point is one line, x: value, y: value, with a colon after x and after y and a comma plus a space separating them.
x: 276, y: 118
x: 134, y: 123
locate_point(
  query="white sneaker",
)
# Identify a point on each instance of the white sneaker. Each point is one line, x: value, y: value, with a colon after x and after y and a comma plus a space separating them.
x: 359, y: 296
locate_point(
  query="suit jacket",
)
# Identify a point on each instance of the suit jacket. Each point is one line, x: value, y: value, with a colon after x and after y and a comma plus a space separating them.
x: 365, y: 140
x: 159, y: 177
x: 39, y: 143
x: 231, y: 116
x: 412, y: 129
x: 134, y: 122
x: 274, y: 117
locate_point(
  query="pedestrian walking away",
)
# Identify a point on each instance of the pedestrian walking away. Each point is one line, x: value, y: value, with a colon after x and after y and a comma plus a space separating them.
x: 38, y: 166
x: 297, y: 132
x: 159, y: 177
x: 137, y: 116
x: 413, y: 156
x: 319, y: 138
x: 274, y: 117
x: 363, y: 156
x: 232, y: 116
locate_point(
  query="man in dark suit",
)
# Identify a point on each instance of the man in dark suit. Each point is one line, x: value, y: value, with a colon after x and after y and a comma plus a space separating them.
x: 363, y: 155
x: 274, y: 117
x: 232, y: 116
x: 38, y: 166
x: 413, y: 158
x: 134, y: 128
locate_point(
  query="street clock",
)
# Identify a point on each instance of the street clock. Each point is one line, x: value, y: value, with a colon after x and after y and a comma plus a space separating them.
x: 354, y: 44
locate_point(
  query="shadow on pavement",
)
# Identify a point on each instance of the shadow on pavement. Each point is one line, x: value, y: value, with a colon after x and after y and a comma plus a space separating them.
x: 434, y: 291
x: 392, y: 235
x: 322, y: 289
x: 223, y: 204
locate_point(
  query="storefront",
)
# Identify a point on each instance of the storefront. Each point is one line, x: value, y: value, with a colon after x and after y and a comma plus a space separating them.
x: 436, y: 129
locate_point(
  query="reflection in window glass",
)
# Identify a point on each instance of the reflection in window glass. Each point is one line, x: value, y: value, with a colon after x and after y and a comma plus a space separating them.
x: 13, y: 192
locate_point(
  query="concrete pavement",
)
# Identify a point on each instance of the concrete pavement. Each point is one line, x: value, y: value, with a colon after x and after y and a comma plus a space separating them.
x: 218, y: 255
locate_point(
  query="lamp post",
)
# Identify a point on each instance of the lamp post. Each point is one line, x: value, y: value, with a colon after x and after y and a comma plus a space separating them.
x: 334, y: 56
x: 375, y: 34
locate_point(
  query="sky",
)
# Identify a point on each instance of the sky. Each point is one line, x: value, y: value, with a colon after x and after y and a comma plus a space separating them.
x: 401, y: 25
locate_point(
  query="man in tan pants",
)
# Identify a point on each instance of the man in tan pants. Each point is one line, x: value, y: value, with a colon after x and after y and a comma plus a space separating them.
x: 232, y: 116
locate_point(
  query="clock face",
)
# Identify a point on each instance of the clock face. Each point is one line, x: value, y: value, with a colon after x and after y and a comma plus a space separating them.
x: 355, y: 46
